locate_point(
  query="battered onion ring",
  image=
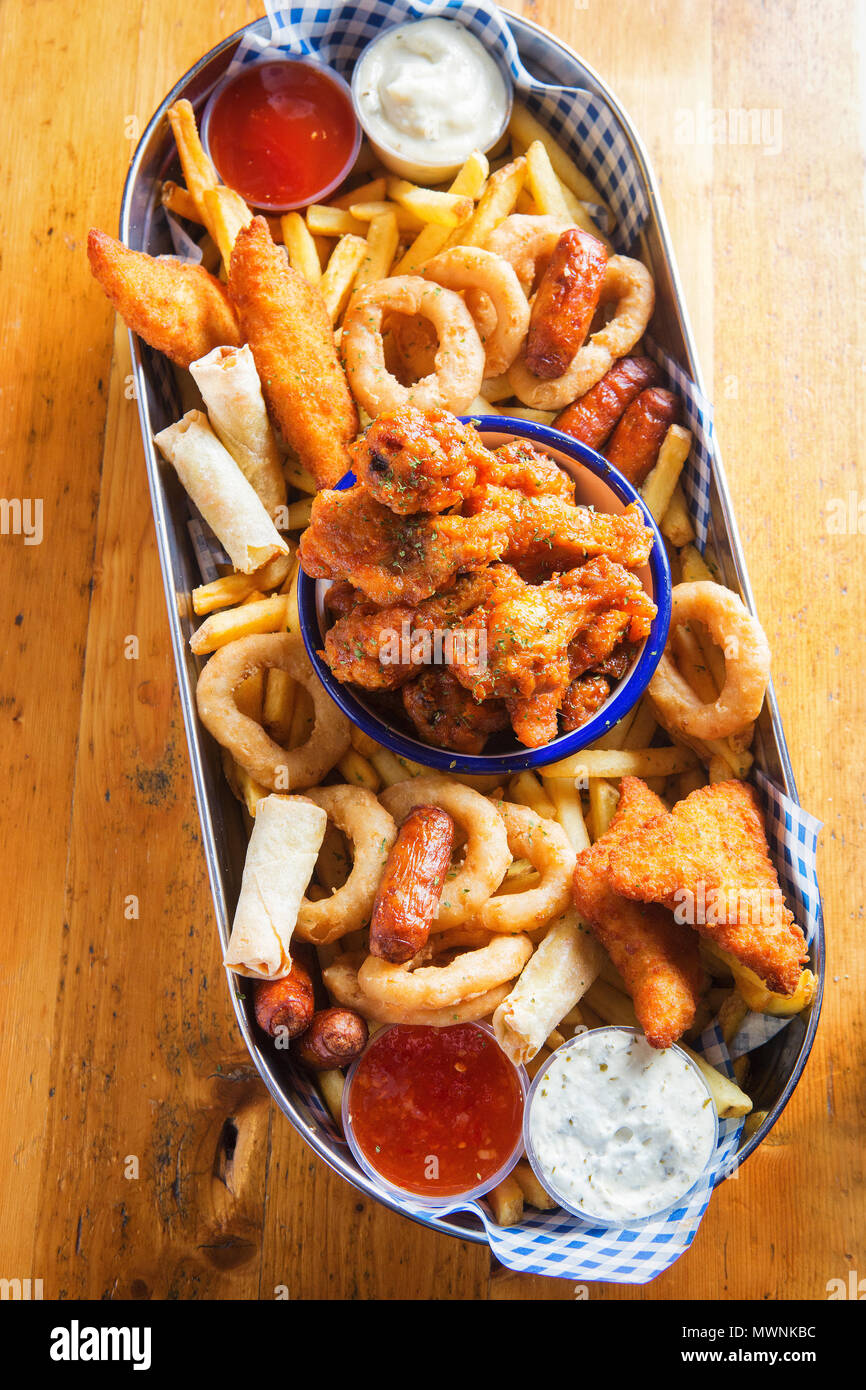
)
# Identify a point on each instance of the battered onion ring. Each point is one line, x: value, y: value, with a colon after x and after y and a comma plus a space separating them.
x: 524, y: 242
x: 547, y: 847
x: 441, y: 986
x: 280, y: 769
x: 473, y: 270
x: 630, y: 285
x: 747, y: 664
x: 459, y: 356
x: 341, y: 980
x: 487, y: 855
x: 356, y: 812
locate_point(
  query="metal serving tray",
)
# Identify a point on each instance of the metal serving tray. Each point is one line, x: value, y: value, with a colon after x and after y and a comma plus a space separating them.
x: 778, y: 1064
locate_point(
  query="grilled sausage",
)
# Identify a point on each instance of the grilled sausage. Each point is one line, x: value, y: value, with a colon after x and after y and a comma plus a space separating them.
x: 567, y: 298
x: 285, y: 1004
x: 334, y: 1038
x: 593, y: 417
x: 411, y: 887
x: 636, y: 441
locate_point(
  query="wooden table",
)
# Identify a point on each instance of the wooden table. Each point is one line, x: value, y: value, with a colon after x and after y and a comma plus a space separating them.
x: 140, y: 1155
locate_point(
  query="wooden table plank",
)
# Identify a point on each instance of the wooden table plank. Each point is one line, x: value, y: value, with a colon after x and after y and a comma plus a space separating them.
x: 119, y: 1039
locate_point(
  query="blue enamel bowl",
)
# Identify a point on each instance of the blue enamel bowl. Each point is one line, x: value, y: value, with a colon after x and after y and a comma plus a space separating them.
x: 598, y: 484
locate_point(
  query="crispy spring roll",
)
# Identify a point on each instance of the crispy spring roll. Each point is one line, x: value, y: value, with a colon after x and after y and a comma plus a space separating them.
x: 222, y: 494
x: 232, y: 393
x: 561, y: 971
x: 281, y: 856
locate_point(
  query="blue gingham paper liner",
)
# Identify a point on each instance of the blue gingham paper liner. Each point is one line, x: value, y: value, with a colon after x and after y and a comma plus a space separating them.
x: 555, y: 1243
x: 581, y: 120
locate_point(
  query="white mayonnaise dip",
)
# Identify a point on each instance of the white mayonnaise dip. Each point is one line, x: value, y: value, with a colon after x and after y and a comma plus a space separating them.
x: 619, y: 1130
x: 431, y: 92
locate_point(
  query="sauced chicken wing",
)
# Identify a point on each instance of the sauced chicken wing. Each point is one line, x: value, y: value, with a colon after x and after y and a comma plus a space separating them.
x: 367, y: 647
x: 582, y: 699
x: 534, y: 719
x: 445, y: 714
x: 547, y: 534
x: 594, y: 643
x: 418, y: 460
x: 394, y: 559
x: 519, y: 464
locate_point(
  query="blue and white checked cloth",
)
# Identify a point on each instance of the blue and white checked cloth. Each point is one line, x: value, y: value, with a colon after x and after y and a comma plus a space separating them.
x: 554, y: 1243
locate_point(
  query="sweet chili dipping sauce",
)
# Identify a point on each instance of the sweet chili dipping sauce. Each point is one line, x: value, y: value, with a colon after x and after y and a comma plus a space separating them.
x: 435, y: 1111
x: 282, y: 133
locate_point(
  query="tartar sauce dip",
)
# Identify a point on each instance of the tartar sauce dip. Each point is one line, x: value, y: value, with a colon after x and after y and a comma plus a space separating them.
x: 616, y: 1130
x: 429, y: 93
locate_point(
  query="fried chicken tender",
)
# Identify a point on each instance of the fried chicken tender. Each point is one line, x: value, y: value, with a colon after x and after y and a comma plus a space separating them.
x: 418, y: 460
x: 445, y: 715
x: 285, y: 322
x: 178, y: 309
x: 582, y: 699
x: 520, y: 464
x: 708, y: 860
x: 390, y: 558
x: 548, y: 534
x: 657, y: 958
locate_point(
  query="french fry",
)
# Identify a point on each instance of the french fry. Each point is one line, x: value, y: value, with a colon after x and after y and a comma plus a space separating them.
x: 676, y: 524
x: 611, y: 975
x: 658, y: 489
x: 251, y: 792
x: 616, y: 763
x: 610, y: 1004
x: 300, y: 477
x: 331, y: 1084
x: 381, y: 248
x: 554, y: 1040
x: 543, y: 184
x: 406, y: 221
x: 336, y: 283
x: 264, y: 615
x: 615, y: 736
x: 279, y: 705
x: 333, y: 864
x: 302, y: 718
x: 526, y: 789
x: 582, y: 217
x: 359, y: 771
x: 642, y: 730
x: 497, y: 388
x: 728, y: 1099
x: 694, y: 566
x: 231, y: 589
x: 689, y: 782
x: 179, y: 200
x: 198, y: 171
x: 569, y: 810
x: 525, y: 412
x: 372, y: 191
x: 468, y: 182
x: 506, y: 1202
x: 718, y: 770
x: 389, y: 767
x: 298, y: 514
x: 496, y: 202
x: 755, y: 993
x: 731, y: 1014
x: 323, y: 220
x: 226, y: 214
x: 303, y: 256
x: 249, y: 698
x: 603, y: 799
x: 526, y: 129
x: 443, y: 209
x: 753, y: 1122
x: 362, y: 743
x: 533, y: 1192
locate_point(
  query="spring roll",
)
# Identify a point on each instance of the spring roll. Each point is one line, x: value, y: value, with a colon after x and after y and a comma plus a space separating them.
x: 222, y: 494
x: 281, y: 856
x: 232, y: 393
x: 553, y: 980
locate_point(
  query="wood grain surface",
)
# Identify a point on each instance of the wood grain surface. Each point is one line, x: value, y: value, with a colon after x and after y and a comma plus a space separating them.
x: 139, y: 1154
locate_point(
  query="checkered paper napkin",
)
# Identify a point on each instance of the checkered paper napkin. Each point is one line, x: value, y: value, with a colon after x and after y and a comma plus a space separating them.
x: 554, y: 1243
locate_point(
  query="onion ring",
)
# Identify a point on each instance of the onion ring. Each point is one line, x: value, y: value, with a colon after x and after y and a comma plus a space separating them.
x: 441, y: 986
x: 459, y: 357
x: 487, y: 855
x: 630, y: 285
x: 372, y: 832
x: 280, y: 769
x: 547, y: 847
x: 473, y: 270
x: 747, y: 664
x: 525, y: 242
x: 341, y: 980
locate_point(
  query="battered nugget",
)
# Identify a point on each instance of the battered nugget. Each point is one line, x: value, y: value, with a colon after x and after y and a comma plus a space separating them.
x: 708, y: 859
x: 657, y: 958
x: 285, y: 322
x: 178, y: 309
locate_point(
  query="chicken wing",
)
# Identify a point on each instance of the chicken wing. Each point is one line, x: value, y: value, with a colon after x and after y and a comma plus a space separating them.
x: 178, y: 309
x: 415, y: 460
x: 445, y: 715
x: 657, y: 958
x: 708, y: 861
x: 519, y: 464
x: 285, y: 322
x: 547, y: 534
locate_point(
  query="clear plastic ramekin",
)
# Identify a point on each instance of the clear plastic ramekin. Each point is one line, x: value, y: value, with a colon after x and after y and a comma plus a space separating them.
x: 549, y: 1184
x: 334, y: 77
x: 441, y: 1199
